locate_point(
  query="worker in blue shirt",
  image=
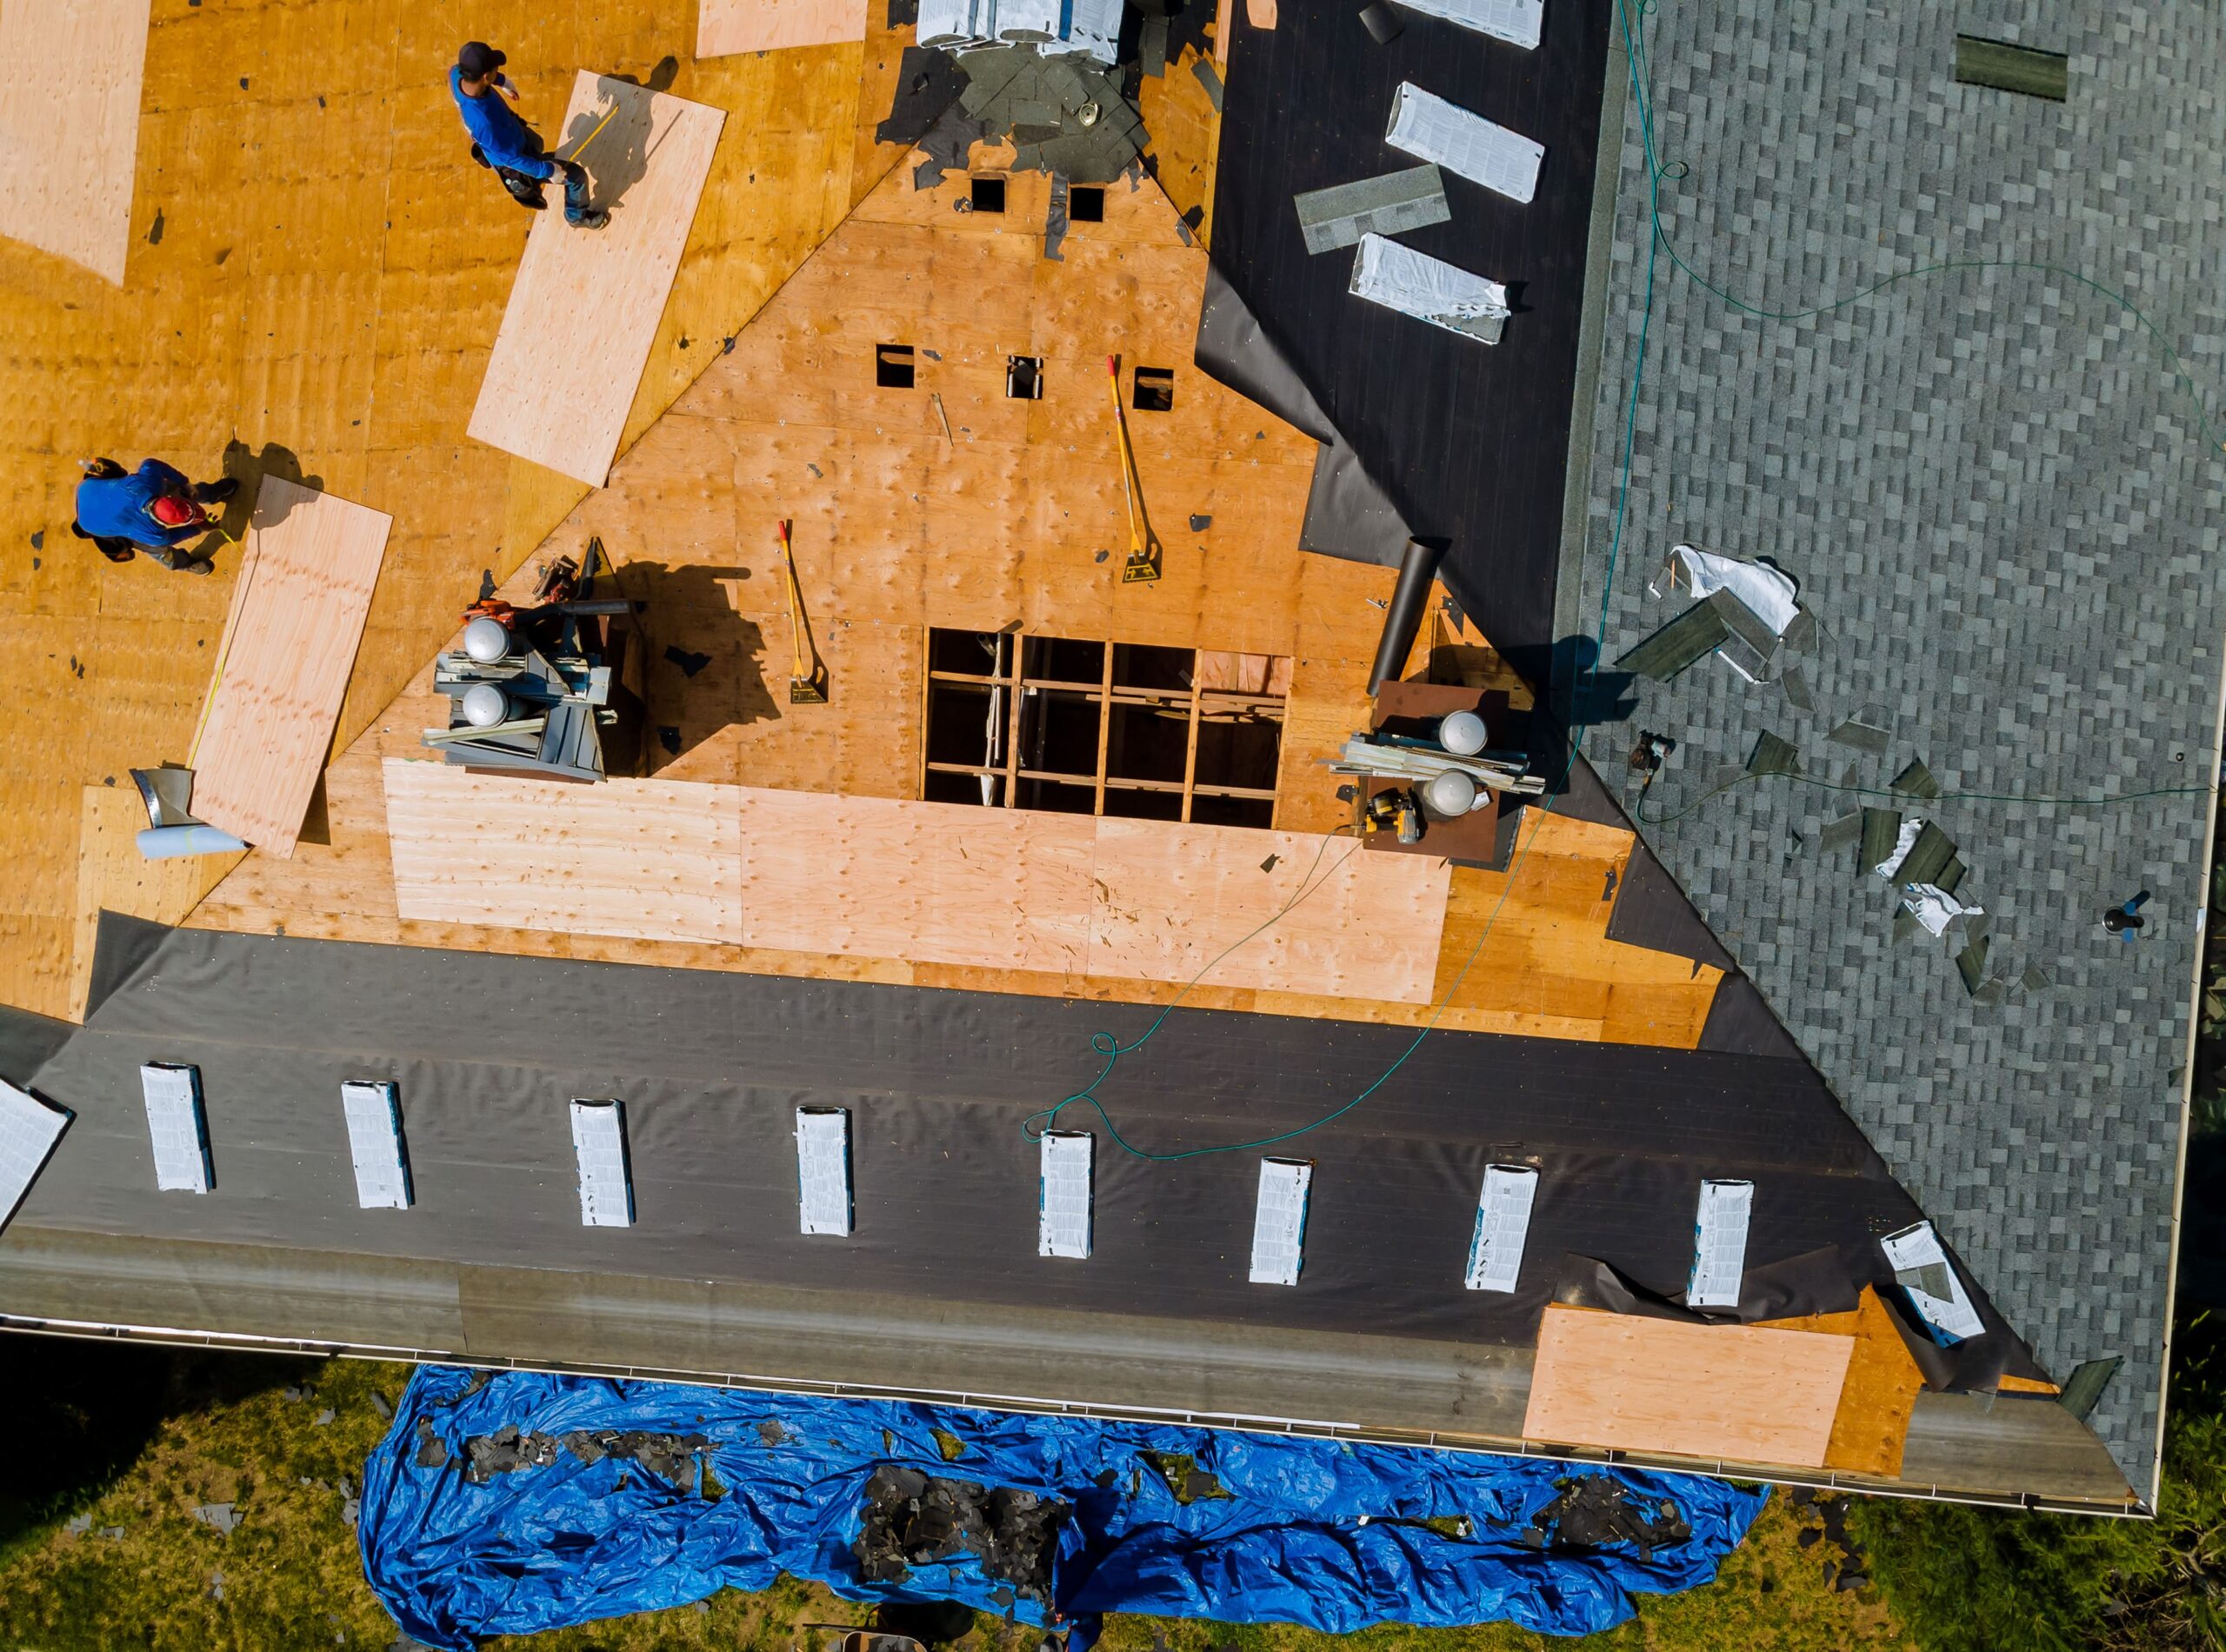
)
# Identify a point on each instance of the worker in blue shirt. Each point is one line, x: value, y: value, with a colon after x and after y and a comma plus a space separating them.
x: 501, y: 140
x: 153, y: 507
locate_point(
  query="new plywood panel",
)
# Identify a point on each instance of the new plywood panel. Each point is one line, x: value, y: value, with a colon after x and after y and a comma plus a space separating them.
x: 1730, y: 1393
x: 1329, y: 919
x: 651, y: 859
x: 935, y: 882
x: 305, y: 585
x: 584, y: 309
x: 727, y: 26
x: 69, y: 79
x: 811, y: 872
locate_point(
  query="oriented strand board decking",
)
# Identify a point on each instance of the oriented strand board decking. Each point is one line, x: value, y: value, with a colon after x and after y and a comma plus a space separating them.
x: 937, y: 883
x: 726, y: 26
x: 1727, y: 1393
x: 306, y: 575
x: 584, y: 309
x: 70, y: 81
x: 899, y: 527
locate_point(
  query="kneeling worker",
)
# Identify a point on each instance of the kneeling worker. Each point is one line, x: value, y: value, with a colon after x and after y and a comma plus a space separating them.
x: 501, y: 140
x: 153, y: 507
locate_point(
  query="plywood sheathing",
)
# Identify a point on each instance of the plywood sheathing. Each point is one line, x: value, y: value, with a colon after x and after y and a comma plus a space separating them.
x: 900, y: 527
x: 70, y: 84
x: 327, y: 280
x: 726, y: 26
x: 1185, y: 130
x: 1872, y: 1421
x: 308, y: 568
x: 583, y: 310
x: 879, y: 877
x: 1724, y: 1393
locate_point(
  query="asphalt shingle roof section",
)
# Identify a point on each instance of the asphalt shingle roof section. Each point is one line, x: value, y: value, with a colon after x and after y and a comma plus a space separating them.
x: 1998, y: 500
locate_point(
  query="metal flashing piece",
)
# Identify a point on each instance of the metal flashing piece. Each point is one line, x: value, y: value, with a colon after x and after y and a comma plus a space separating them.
x: 177, y: 1126
x: 2004, y: 66
x: 1773, y: 755
x: 1520, y: 22
x: 824, y: 1202
x: 1864, y: 736
x: 1693, y: 635
x: 606, y: 1177
x: 1279, y: 1221
x: 1340, y: 216
x: 1720, y: 1244
x: 29, y: 1130
x: 1916, y: 781
x: 1063, y: 1190
x: 1429, y: 129
x: 1428, y: 290
x: 1502, y: 1223
x: 374, y: 1114
x: 1922, y: 1270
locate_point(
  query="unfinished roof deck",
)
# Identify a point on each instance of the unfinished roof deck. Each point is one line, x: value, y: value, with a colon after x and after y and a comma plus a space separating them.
x: 922, y: 390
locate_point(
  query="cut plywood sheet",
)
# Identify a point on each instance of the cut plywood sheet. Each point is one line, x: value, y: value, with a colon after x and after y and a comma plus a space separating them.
x: 724, y: 27
x: 648, y: 859
x: 1173, y: 900
x: 585, y: 306
x: 1727, y: 1393
x: 70, y: 81
x: 305, y: 585
x: 878, y: 877
x: 935, y: 882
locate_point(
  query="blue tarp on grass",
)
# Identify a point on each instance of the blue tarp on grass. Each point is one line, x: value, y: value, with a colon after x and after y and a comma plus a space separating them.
x: 1320, y: 1533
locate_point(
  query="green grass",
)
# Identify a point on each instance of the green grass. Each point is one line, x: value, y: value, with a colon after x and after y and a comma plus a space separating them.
x: 1971, y: 1580
x: 292, y: 1576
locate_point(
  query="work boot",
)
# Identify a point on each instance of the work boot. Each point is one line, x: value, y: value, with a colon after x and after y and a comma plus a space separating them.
x: 577, y: 212
x: 199, y: 565
x: 214, y: 493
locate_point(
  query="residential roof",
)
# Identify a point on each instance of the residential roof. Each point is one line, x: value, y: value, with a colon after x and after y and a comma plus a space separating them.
x: 1997, y: 491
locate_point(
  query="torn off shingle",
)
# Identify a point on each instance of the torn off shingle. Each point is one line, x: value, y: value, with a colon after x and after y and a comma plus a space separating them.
x: 1916, y: 781
x: 1970, y: 964
x: 1864, y: 736
x: 1773, y: 755
x: 1905, y: 924
x: 1881, y: 829
x: 1950, y: 875
x: 1796, y: 689
x: 1928, y: 857
x: 2036, y: 979
x: 1844, y: 833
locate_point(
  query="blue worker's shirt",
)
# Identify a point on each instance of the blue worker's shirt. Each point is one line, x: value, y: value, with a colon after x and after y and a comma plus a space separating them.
x: 118, y: 507
x: 494, y: 125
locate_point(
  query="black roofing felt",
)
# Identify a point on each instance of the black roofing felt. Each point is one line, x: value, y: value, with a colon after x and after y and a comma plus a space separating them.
x: 1468, y: 440
x: 488, y: 1049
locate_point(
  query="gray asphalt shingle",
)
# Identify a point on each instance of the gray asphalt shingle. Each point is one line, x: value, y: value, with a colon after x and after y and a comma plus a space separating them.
x: 1997, y: 497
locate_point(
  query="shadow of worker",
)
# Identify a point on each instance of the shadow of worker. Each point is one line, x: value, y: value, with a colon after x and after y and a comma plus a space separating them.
x: 248, y: 468
x: 704, y: 663
x: 611, y: 140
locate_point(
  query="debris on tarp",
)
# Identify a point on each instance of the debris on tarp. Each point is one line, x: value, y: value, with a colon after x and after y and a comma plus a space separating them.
x: 556, y: 1501
x: 1595, y: 1511
x: 913, y: 1519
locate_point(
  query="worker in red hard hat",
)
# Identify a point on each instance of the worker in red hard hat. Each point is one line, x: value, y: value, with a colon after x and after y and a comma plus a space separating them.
x: 154, y: 509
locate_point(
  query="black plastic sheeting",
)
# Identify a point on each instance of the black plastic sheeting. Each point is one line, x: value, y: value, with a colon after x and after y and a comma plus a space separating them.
x: 1347, y: 514
x: 1468, y: 442
x: 488, y: 1049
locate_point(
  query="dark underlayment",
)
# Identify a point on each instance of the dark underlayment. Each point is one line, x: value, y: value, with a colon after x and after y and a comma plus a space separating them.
x: 712, y: 1066
x: 1468, y: 440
